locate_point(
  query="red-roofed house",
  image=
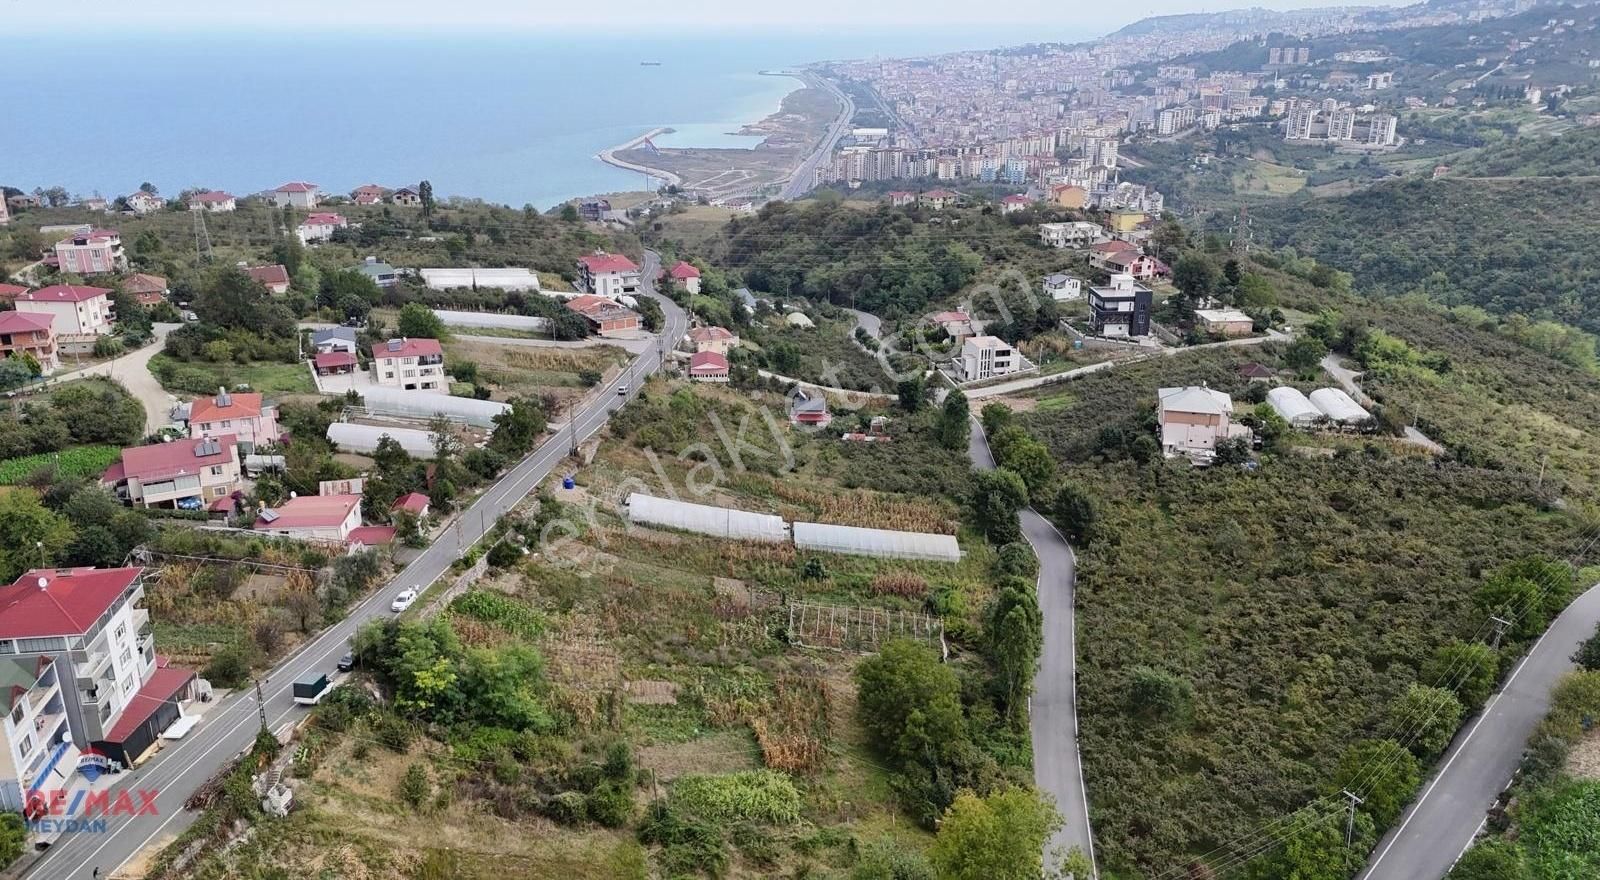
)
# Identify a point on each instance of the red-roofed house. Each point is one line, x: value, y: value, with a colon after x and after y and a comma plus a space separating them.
x: 90, y: 613
x: 371, y: 536
x: 77, y: 313
x: 242, y: 413
x: 315, y: 517
x: 146, y: 289
x: 274, y: 278
x: 9, y: 292
x: 142, y: 202
x: 1013, y: 203
x: 29, y: 333
x: 956, y: 325
x: 185, y: 474
x: 334, y: 363
x: 708, y: 366
x: 151, y: 710
x: 368, y: 194
x: 1100, y: 254
x: 604, y: 315
x: 94, y: 252
x: 410, y: 364
x: 685, y: 276
x: 298, y: 194
x: 608, y: 275
x: 718, y: 339
x: 413, y: 503
x: 215, y: 201
x: 320, y: 226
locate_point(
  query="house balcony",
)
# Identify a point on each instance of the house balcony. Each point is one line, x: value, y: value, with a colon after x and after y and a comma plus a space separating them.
x: 89, y: 668
x: 141, y: 620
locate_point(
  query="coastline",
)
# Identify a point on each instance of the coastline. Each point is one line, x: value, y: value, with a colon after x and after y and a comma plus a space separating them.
x: 608, y: 156
x: 721, y: 172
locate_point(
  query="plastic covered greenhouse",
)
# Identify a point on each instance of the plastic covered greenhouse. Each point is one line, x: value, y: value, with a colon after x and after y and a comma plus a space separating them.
x: 1339, y: 406
x: 364, y: 438
x: 422, y: 405
x: 876, y: 542
x: 1293, y: 406
x: 721, y: 522
x: 492, y: 319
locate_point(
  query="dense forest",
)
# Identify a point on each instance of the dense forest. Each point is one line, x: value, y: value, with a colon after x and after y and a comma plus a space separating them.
x: 1254, y: 630
x: 1574, y: 154
x: 1527, y: 247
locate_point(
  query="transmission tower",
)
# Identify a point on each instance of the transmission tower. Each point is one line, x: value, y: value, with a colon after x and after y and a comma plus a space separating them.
x: 202, y: 237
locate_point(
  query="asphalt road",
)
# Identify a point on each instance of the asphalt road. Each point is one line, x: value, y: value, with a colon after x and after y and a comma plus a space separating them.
x: 805, y: 176
x: 133, y: 371
x: 229, y: 728
x: 1053, y: 710
x: 1441, y: 823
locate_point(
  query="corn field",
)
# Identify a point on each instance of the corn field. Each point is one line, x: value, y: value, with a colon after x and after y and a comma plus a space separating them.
x: 794, y: 731
x: 868, y: 509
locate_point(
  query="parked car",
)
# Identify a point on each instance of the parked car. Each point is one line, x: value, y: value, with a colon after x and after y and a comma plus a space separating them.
x: 404, y: 600
x: 347, y: 662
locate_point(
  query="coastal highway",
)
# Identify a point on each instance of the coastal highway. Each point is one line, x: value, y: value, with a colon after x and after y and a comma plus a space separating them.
x: 230, y: 727
x: 805, y: 175
x: 1441, y: 823
x: 1053, y: 710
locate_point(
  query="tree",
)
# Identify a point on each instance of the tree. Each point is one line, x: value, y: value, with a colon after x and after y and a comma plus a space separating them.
x: 233, y: 300
x: 1305, y: 353
x: 342, y: 288
x: 1235, y: 450
x: 1491, y: 859
x: 1015, y: 639
x: 1159, y: 694
x: 888, y: 859
x: 1386, y: 774
x: 1074, y: 511
x: 953, y: 421
x: 1424, y: 717
x: 305, y: 608
x: 1317, y: 851
x: 1518, y: 599
x: 1467, y: 668
x: 998, y: 837
x: 1588, y: 653
x: 425, y: 193
x: 14, y: 837
x: 994, y: 417
x: 1196, y: 276
x: 569, y: 213
x: 996, y: 497
x: 30, y: 535
x: 417, y: 321
x: 912, y: 393
x: 415, y: 787
x: 517, y: 429
x: 15, y: 372
x: 905, y: 689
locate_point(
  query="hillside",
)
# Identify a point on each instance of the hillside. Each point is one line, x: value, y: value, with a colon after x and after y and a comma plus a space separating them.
x: 1574, y: 154
x: 1530, y: 247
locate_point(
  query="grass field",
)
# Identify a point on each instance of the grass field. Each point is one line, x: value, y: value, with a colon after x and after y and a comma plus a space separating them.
x: 266, y: 377
x: 76, y: 462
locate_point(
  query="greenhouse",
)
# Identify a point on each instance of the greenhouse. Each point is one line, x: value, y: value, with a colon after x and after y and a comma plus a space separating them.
x: 876, y: 542
x: 352, y: 437
x: 1293, y: 406
x: 1339, y: 407
x: 721, y: 522
x: 421, y: 405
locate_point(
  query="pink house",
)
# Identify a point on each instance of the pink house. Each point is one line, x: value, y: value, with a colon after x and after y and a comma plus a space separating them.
x: 274, y: 278
x: 242, y: 414
x: 368, y: 194
x: 95, y: 252
x: 708, y: 366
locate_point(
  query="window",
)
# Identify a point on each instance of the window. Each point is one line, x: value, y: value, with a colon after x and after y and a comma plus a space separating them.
x: 122, y: 631
x: 226, y: 423
x: 216, y: 471
x: 16, y: 714
x: 219, y: 491
x: 127, y: 657
x: 27, y: 744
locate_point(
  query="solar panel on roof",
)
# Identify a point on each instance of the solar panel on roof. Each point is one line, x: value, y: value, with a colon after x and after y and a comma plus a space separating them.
x: 268, y: 515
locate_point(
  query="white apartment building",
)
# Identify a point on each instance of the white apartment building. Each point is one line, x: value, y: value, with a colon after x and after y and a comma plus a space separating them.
x: 1065, y: 235
x: 76, y: 312
x: 608, y: 275
x: 985, y: 357
x: 411, y: 365
x: 297, y: 194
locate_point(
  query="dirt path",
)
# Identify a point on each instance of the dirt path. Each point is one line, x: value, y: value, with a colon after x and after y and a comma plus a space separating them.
x: 133, y: 371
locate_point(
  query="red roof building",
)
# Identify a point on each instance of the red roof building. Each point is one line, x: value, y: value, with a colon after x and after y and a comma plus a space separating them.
x: 185, y: 474
x: 298, y: 186
x: 243, y: 413
x: 408, y: 348
x: 332, y: 363
x: 64, y: 293
x: 708, y: 366
x: 412, y: 502
x: 274, y: 278
x: 604, y: 315
x: 608, y: 263
x: 11, y: 291
x: 325, y: 517
x: 372, y: 536
x: 684, y: 270
x: 29, y: 333
x: 610, y: 275
x: 146, y: 289
x: 62, y: 601
x: 368, y: 194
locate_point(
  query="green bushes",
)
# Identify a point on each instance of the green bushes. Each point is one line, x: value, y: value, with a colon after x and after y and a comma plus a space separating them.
x: 497, y: 608
x: 415, y: 787
x: 72, y: 463
x: 765, y: 796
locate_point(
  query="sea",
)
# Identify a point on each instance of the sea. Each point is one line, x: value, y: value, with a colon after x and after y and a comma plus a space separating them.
x: 515, y: 118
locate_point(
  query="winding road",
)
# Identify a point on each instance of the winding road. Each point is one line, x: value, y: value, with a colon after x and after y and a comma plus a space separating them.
x: 230, y: 728
x: 1439, y: 826
x: 1053, y: 710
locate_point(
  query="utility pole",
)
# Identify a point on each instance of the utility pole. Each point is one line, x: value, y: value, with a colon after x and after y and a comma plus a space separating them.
x: 261, y: 705
x: 202, y: 237
x: 1350, y: 818
x: 1500, y: 627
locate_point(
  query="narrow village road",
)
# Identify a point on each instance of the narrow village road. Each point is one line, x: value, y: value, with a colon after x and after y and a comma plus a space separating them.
x: 1441, y: 823
x: 133, y: 371
x: 1053, y: 711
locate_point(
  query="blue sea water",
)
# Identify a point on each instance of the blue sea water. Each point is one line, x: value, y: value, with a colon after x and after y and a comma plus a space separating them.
x: 514, y: 118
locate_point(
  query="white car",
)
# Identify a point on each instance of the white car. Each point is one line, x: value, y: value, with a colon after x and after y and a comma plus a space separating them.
x: 404, y: 600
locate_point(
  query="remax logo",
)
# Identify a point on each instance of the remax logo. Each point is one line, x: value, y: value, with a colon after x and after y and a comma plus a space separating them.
x: 92, y: 762
x: 59, y: 810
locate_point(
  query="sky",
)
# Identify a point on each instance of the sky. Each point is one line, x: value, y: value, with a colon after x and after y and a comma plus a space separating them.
x: 45, y: 16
